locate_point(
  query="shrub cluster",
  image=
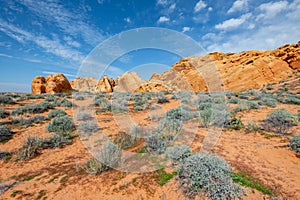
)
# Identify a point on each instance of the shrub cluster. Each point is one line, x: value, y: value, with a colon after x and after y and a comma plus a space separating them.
x: 156, y: 144
x: 5, y: 133
x: 88, y: 127
x: 295, y: 144
x: 3, y: 114
x: 56, y: 113
x: 61, y: 124
x: 6, y: 100
x: 178, y: 153
x: 31, y: 108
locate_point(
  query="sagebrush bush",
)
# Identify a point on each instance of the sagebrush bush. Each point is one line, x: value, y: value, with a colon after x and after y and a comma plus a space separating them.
x: 79, y: 98
x: 295, y: 144
x: 155, y: 144
x: 125, y: 140
x: 271, y: 102
x: 31, y: 108
x: 56, y: 113
x: 3, y: 114
x: 234, y: 123
x: 56, y: 141
x: 88, y: 127
x: 207, y: 176
x: 246, y: 105
x: 31, y: 148
x: 94, y: 166
x: 213, y: 116
x: 6, y: 100
x: 280, y: 121
x: 66, y: 103
x: 28, y: 122
x: 178, y: 153
x: 162, y: 100
x: 5, y: 133
x: 62, y: 124
x: 83, y: 116
x: 172, y: 121
x: 233, y: 100
x: 110, y: 155
x: 251, y: 127
x: 4, y: 155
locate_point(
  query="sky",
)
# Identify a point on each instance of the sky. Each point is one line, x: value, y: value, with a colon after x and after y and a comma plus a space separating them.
x: 56, y: 36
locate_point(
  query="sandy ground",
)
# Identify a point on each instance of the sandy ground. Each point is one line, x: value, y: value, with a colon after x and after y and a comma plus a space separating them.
x: 57, y: 173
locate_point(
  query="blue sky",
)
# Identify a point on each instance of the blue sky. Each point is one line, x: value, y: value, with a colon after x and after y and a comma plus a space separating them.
x: 52, y: 36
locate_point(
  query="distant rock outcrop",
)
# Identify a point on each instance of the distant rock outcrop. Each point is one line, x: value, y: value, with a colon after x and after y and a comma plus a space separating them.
x: 56, y: 83
x: 38, y: 85
x: 105, y: 85
x: 128, y: 82
x: 84, y: 84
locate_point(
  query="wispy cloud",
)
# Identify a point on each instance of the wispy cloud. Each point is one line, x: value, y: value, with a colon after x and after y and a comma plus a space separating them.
x: 199, y: 6
x: 239, y: 5
x: 271, y: 9
x: 233, y: 22
x: 52, y: 46
x: 127, y: 19
x: 5, y: 55
x: 163, y: 19
x: 71, y: 23
x: 186, y: 29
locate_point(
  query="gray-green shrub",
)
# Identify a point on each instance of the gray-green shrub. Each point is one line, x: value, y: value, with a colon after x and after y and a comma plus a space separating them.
x: 88, y: 127
x: 155, y: 144
x: 5, y: 133
x: 295, y: 144
x: 56, y: 113
x: 61, y: 124
x: 178, y: 153
x: 3, y: 114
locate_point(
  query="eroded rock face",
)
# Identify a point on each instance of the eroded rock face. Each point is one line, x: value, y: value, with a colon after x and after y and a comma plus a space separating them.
x: 84, y: 84
x: 38, y: 85
x: 105, y: 85
x: 128, y: 82
x: 57, y: 83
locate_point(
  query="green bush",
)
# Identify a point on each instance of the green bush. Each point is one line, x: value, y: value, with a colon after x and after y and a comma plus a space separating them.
x: 178, y: 153
x: 110, y: 155
x: 56, y: 141
x: 251, y: 127
x: 280, y: 121
x: 4, y: 155
x: 295, y: 144
x: 213, y: 116
x: 88, y: 127
x: 172, y: 121
x: 155, y: 144
x: 66, y: 103
x: 3, y: 114
x: 56, y: 113
x: 246, y: 105
x: 31, y: 148
x: 162, y: 100
x: 83, y: 116
x: 31, y: 108
x: 233, y: 100
x: 5, y: 134
x: 125, y: 140
x: 79, y: 98
x: 63, y: 124
x: 234, y: 123
x: 271, y: 102
x: 6, y: 100
x: 94, y: 166
x: 207, y: 176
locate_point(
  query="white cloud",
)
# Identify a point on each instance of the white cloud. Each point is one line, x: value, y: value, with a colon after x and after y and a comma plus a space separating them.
x: 238, y: 5
x: 162, y: 2
x: 172, y: 8
x: 127, y: 19
x: 163, y: 19
x: 199, y: 6
x: 100, y: 1
x: 186, y: 29
x: 271, y: 9
x: 233, y: 22
x: 51, y: 73
x: 5, y: 55
x: 71, y: 23
x: 210, y: 9
x: 52, y: 46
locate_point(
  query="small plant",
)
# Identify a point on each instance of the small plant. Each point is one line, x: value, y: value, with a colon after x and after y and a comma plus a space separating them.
x: 155, y: 144
x: 246, y: 105
x: 280, y: 121
x: 66, y: 103
x: 178, y: 153
x: 5, y: 155
x: 88, y: 127
x: 79, y: 98
x: 6, y: 100
x: 233, y: 100
x: 56, y: 141
x: 125, y: 140
x: 295, y: 144
x: 31, y: 108
x: 271, y: 102
x: 162, y: 100
x: 94, y: 166
x: 207, y: 176
x: 5, y: 134
x: 251, y: 127
x: 164, y: 177
x: 83, y: 116
x: 110, y: 155
x: 30, y: 148
x: 63, y: 124
x: 56, y: 113
x: 235, y: 124
x: 3, y: 114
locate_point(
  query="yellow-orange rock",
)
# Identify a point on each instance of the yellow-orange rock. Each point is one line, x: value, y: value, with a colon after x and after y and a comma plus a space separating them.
x: 84, y: 84
x: 104, y: 85
x: 57, y: 83
x: 38, y: 85
x: 128, y: 82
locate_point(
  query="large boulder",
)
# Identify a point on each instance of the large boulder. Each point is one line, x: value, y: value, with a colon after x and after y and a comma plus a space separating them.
x: 57, y: 83
x: 105, y: 85
x: 38, y: 85
x: 128, y: 82
x: 84, y: 84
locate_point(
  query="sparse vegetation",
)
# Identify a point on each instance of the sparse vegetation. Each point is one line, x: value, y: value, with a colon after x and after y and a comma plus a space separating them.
x: 31, y: 108
x: 88, y: 127
x: 31, y: 148
x: 94, y: 166
x: 178, y: 153
x: 5, y: 134
x: 155, y: 144
x: 56, y: 113
x: 63, y: 124
x: 207, y: 176
x: 280, y: 121
x: 295, y: 144
x: 83, y: 116
x: 6, y: 100
x: 3, y: 114
x: 164, y: 177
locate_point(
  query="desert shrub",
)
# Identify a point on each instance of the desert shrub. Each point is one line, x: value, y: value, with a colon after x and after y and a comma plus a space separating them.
x: 138, y: 108
x: 6, y: 100
x: 213, y: 116
x: 83, y: 116
x: 125, y: 140
x: 56, y: 141
x: 5, y: 133
x: 178, y: 153
x: 155, y: 144
x: 56, y: 113
x: 3, y: 114
x: 271, y: 102
x: 298, y: 115
x: 101, y: 102
x: 162, y: 100
x: 251, y: 127
x: 94, y: 166
x: 204, y: 105
x: 207, y: 176
x: 66, y: 103
x: 63, y: 124
x: 31, y: 108
x: 292, y: 100
x: 246, y: 105
x: 279, y: 121
x: 139, y: 102
x: 31, y: 148
x: 110, y: 155
x: 4, y: 155
x: 269, y: 87
x: 233, y: 100
x: 79, y: 98
x: 295, y: 144
x: 234, y: 123
x: 172, y: 121
x: 88, y: 127
x: 117, y: 108
x: 28, y: 122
